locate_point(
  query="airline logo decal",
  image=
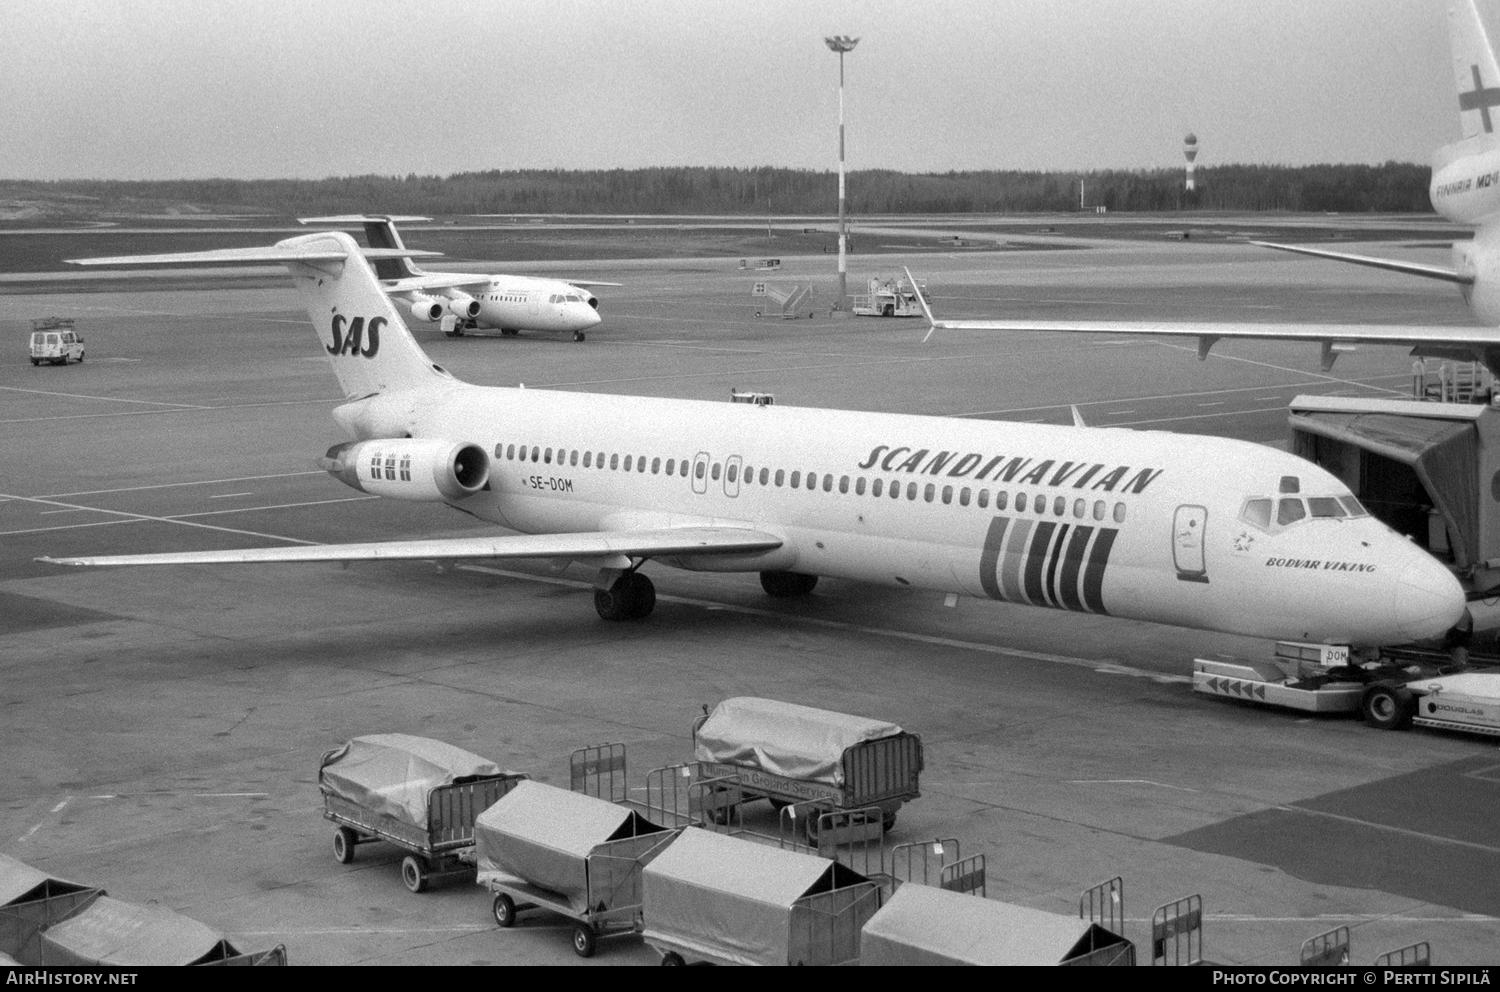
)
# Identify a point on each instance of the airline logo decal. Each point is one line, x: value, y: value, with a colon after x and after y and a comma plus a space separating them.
x: 1045, y: 563
x: 355, y: 337
x: 1018, y: 470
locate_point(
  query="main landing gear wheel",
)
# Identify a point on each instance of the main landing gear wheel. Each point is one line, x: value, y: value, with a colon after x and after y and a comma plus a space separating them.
x: 1386, y: 707
x: 578, y: 335
x: 508, y: 332
x: 632, y: 597
x: 787, y: 585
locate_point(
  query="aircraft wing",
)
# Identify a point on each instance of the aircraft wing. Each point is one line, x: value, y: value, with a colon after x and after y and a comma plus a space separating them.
x: 667, y: 542
x: 252, y: 256
x: 1410, y: 268
x: 581, y: 284
x: 435, y: 281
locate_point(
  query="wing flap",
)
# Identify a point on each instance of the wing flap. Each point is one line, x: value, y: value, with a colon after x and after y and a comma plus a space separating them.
x: 675, y: 542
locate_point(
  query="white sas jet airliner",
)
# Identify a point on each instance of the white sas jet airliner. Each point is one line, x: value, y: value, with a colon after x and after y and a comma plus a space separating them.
x: 459, y: 301
x: 1195, y: 531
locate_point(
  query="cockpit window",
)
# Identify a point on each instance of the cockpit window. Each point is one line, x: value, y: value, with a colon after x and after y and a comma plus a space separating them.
x: 1289, y: 511
x: 1257, y: 512
x: 1291, y: 484
x: 1325, y: 506
x: 1353, y: 506
x: 574, y: 299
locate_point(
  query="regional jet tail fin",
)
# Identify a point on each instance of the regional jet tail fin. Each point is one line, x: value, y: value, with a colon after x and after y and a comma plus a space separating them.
x: 1390, y: 265
x: 1474, y: 69
x: 664, y: 543
x: 380, y: 233
x: 369, y: 345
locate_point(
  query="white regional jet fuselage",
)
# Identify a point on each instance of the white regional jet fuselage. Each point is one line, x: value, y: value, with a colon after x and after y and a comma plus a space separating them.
x: 526, y: 302
x: 1195, y: 531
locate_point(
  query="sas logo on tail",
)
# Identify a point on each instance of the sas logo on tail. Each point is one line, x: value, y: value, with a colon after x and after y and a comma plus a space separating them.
x: 355, y: 337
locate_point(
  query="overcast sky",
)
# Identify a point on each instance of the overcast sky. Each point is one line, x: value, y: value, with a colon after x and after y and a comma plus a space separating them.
x: 134, y: 89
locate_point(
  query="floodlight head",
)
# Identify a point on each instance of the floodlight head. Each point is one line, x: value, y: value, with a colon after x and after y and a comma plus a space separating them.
x: 841, y: 43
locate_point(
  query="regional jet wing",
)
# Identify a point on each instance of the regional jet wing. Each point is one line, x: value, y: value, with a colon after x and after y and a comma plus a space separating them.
x: 435, y: 281
x: 1410, y: 268
x: 667, y: 542
x: 252, y: 256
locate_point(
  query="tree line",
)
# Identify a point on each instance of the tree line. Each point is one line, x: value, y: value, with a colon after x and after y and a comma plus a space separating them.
x: 1394, y: 187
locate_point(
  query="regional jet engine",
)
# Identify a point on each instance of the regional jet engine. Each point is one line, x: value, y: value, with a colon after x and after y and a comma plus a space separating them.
x: 426, y: 308
x: 462, y: 305
x: 417, y: 469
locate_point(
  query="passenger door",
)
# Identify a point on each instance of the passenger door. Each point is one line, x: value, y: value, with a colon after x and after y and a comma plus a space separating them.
x: 1187, y: 543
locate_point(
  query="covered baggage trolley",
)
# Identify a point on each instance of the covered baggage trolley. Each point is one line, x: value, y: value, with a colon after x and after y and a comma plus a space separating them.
x: 419, y: 794
x: 790, y: 753
x: 541, y: 847
x: 721, y: 899
x: 922, y: 925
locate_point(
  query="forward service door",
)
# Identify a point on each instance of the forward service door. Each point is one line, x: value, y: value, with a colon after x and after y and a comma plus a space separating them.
x: 1187, y: 543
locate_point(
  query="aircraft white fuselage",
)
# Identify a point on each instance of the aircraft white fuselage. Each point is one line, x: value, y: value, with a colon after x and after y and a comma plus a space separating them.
x: 1144, y: 525
x: 523, y: 302
x: 1466, y: 190
x: 1195, y: 531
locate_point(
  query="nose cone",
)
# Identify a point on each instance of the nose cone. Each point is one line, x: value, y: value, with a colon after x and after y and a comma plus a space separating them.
x: 1428, y: 601
x: 591, y: 316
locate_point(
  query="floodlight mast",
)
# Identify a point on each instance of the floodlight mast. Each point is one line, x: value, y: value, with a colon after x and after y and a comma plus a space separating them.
x: 842, y: 44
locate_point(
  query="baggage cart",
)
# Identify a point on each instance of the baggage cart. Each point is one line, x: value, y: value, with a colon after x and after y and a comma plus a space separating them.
x: 922, y: 925
x: 719, y: 899
x: 818, y: 759
x: 541, y: 847
x: 419, y: 794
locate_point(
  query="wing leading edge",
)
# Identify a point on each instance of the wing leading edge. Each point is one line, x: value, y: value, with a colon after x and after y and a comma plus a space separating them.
x: 1390, y: 265
x: 667, y: 542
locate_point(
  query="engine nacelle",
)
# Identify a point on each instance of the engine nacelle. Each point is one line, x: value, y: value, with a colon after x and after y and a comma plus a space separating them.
x: 426, y: 308
x: 463, y: 305
x: 422, y: 470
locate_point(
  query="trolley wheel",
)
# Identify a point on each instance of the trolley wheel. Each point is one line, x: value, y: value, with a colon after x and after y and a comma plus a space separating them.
x: 414, y: 873
x: 504, y: 909
x: 1386, y: 707
x: 811, y: 826
x: 887, y: 822
x: 579, y: 336
x: 36, y: 361
x: 583, y: 940
x: 344, y: 840
x: 672, y: 959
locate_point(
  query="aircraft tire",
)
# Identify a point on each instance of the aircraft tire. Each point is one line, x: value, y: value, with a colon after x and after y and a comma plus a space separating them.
x: 642, y: 596
x: 1386, y: 707
x: 611, y: 603
x: 787, y: 585
x: 579, y: 336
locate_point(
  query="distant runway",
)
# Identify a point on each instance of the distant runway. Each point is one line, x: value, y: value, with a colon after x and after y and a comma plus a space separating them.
x: 162, y: 727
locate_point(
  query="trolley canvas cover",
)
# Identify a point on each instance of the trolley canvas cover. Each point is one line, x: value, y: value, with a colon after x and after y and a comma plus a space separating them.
x: 552, y: 838
x: 111, y: 932
x: 392, y: 774
x: 31, y: 901
x: 735, y: 900
x: 921, y: 925
x: 798, y: 742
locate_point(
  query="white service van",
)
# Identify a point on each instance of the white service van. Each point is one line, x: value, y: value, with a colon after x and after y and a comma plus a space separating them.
x: 58, y: 345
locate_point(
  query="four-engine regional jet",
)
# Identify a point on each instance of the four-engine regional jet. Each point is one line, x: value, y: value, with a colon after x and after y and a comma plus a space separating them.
x: 462, y: 302
x: 1200, y: 532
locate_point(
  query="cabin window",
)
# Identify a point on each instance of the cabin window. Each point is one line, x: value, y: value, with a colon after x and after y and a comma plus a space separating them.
x: 1080, y: 507
x: 499, y: 451
x: 877, y: 487
x: 780, y: 477
x: 547, y: 456
x: 947, y: 495
x: 599, y: 460
x: 963, y: 496
x: 1099, y: 509
x: 683, y: 467
x: 700, y: 470
x: 1119, y: 513
x: 671, y: 466
x: 911, y: 491
x: 1324, y: 506
x: 984, y: 500
x: 797, y: 480
x: 734, y: 471
x: 1059, y: 506
x: 627, y: 462
x: 715, y: 473
x: 812, y: 481
x: 640, y: 463
x: 929, y: 492
x: 656, y: 466
x: 1020, y: 502
x: 614, y: 462
x: 1289, y: 511
x: 1001, y: 498
x: 859, y: 486
x: 828, y: 483
x: 843, y: 484
x: 588, y: 458
x: 749, y: 476
x: 895, y: 489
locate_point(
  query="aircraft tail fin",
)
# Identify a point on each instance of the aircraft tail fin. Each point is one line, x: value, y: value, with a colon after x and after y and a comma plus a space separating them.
x: 380, y: 232
x: 1475, y: 70
x: 371, y: 349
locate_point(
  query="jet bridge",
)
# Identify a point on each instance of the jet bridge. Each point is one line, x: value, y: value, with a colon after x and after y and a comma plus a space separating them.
x: 1429, y: 470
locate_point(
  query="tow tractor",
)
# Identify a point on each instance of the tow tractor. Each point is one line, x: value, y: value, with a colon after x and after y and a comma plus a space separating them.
x: 1406, y: 687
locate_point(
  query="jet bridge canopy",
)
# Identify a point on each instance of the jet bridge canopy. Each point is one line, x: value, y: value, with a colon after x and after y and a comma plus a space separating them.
x: 1400, y: 462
